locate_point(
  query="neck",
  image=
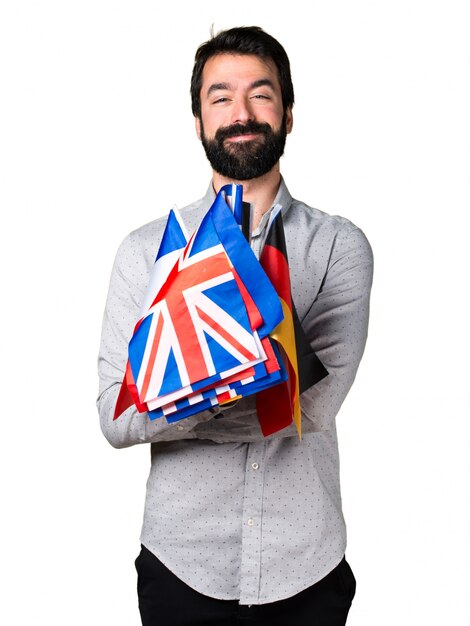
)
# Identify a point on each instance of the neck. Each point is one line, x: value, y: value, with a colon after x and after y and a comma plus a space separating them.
x: 260, y: 192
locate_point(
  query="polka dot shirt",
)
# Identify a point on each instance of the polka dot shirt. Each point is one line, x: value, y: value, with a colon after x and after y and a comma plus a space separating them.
x: 231, y: 513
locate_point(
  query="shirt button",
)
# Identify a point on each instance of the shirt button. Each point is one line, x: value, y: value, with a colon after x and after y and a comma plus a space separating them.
x: 254, y: 465
x: 250, y: 522
x: 180, y: 428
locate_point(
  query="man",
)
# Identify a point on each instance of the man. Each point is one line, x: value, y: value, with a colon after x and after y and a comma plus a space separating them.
x: 239, y: 528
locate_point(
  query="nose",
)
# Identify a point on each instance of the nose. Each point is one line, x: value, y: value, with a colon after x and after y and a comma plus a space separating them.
x: 242, y: 111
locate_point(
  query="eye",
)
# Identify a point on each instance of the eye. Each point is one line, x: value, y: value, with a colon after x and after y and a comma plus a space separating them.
x: 220, y: 100
x: 261, y: 96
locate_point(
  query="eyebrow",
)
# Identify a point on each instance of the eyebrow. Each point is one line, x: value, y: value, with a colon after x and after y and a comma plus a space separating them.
x: 262, y: 82
x: 218, y: 87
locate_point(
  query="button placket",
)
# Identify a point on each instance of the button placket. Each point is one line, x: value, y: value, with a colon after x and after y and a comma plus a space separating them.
x: 252, y: 526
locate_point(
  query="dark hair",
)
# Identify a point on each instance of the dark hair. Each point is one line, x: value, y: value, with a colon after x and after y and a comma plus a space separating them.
x: 242, y: 40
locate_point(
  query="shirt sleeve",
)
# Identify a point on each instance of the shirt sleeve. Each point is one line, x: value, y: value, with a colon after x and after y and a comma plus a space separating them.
x: 120, y: 316
x: 336, y: 326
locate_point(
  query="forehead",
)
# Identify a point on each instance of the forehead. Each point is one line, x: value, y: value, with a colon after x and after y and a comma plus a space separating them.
x: 238, y: 71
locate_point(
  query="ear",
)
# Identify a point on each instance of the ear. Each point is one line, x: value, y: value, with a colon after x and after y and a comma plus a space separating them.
x: 289, y: 120
x: 198, y: 127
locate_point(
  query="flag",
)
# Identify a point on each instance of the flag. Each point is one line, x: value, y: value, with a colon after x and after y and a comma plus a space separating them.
x: 251, y: 273
x: 197, y: 329
x: 246, y: 383
x: 214, y: 325
x: 279, y: 405
x: 200, y: 331
x: 233, y: 195
x: 173, y: 241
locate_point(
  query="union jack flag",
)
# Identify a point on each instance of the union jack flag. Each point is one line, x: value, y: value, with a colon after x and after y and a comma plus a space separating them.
x: 188, y: 334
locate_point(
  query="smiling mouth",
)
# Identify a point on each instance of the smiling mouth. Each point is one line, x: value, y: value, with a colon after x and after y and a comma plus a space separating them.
x: 240, y: 138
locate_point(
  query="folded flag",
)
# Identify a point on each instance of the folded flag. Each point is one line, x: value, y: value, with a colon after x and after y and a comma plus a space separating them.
x: 278, y: 406
x: 217, y: 325
x: 202, y: 338
x: 197, y: 331
x: 173, y: 241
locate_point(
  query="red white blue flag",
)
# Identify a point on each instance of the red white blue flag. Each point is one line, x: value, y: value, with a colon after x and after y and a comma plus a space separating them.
x: 203, y: 336
x: 173, y: 241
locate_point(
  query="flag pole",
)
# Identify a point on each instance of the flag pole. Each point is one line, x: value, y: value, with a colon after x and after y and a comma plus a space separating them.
x: 246, y: 221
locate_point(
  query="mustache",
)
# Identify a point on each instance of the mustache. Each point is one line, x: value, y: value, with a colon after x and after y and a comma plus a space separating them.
x: 242, y: 129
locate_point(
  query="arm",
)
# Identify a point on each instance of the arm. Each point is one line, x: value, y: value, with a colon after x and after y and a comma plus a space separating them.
x: 336, y: 325
x: 126, y: 290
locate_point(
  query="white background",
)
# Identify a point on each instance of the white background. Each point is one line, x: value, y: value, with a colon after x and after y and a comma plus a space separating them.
x: 96, y: 138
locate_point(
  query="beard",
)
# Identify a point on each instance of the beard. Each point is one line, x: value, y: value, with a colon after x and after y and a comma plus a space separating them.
x: 246, y: 159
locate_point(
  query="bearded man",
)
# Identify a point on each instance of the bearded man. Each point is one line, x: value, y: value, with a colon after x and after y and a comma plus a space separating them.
x: 241, y: 528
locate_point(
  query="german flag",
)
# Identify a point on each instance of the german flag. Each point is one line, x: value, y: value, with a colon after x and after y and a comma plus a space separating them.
x: 279, y: 405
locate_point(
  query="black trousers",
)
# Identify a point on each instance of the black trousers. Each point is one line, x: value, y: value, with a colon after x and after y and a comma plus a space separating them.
x: 164, y: 600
